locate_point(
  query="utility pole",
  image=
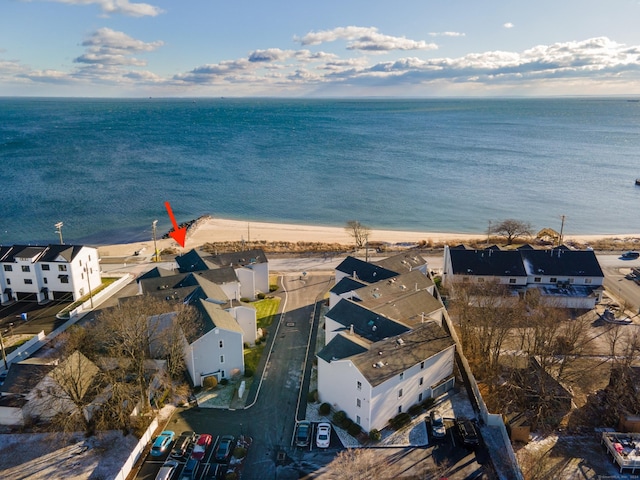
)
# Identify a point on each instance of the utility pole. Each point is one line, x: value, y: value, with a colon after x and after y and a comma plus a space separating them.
x: 59, y: 231
x: 561, y: 230
x: 155, y: 247
x: 86, y: 269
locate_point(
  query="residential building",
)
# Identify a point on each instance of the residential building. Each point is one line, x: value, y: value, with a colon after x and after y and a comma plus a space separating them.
x: 53, y: 272
x: 564, y: 277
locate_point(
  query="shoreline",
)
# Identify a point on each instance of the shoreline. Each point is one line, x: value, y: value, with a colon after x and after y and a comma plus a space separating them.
x: 207, y: 229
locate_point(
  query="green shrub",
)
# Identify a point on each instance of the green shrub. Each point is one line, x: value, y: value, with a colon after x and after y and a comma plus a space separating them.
x: 261, y: 296
x: 375, y: 435
x: 273, y: 287
x: 354, y: 429
x: 224, y: 381
x: 248, y: 373
x: 244, y: 300
x: 339, y: 417
x: 400, y: 420
x: 239, y: 452
x: 258, y: 340
x: 324, y: 409
x: 428, y: 403
x: 415, y: 409
x: 210, y: 382
x: 347, y: 423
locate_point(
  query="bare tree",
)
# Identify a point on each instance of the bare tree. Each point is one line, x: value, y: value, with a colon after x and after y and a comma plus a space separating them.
x: 512, y: 229
x: 359, y: 232
x: 126, y: 332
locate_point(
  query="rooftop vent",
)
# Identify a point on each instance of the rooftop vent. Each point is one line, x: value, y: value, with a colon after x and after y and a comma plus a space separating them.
x: 400, y: 342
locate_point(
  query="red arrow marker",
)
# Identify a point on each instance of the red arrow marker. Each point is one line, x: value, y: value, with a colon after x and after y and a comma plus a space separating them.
x: 178, y: 234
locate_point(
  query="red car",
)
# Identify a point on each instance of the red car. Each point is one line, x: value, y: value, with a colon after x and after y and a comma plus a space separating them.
x: 203, y: 442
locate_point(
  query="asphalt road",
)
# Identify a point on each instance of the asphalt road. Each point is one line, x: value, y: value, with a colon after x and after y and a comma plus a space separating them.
x: 271, y: 419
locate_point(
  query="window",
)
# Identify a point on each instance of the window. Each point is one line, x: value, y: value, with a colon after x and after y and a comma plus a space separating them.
x: 537, y: 279
x: 25, y: 268
x: 512, y: 280
x: 402, y: 376
x: 221, y: 343
x: 45, y: 266
x: 221, y: 358
x: 8, y: 268
x: 420, y: 398
x: 553, y: 279
x: 421, y: 380
x: 359, y: 385
x: 89, y: 257
x: 62, y: 268
x: 81, y: 291
x: 358, y: 419
x: 82, y: 275
x: 80, y: 262
x: 399, y: 408
x: 8, y: 281
x: 222, y: 375
x: 587, y: 280
x: 421, y: 365
x: 28, y: 281
x: 64, y: 278
x: 358, y: 403
x: 399, y: 393
x: 45, y: 280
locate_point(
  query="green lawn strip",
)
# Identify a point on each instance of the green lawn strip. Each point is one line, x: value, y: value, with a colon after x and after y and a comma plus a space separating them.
x: 266, y: 311
x: 106, y: 281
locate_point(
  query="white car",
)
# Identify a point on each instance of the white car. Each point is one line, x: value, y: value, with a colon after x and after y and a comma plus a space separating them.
x: 323, y: 435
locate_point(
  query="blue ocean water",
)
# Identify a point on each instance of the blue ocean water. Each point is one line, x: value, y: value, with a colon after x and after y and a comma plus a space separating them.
x: 105, y: 167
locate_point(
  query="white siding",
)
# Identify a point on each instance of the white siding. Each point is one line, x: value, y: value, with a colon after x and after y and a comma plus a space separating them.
x: 246, y: 318
x: 203, y: 355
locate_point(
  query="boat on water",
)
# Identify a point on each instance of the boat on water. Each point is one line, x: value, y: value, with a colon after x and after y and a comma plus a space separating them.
x: 637, y: 181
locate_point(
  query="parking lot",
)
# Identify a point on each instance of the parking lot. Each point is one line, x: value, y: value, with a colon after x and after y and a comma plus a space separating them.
x: 38, y: 317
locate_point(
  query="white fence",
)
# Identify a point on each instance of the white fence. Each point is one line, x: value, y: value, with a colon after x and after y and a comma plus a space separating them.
x: 100, y: 297
x: 135, y: 453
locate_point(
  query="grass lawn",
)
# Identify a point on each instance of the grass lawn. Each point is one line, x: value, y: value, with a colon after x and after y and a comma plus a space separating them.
x: 266, y: 312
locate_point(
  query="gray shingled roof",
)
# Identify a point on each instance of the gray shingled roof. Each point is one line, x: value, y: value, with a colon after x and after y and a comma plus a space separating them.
x: 23, y: 377
x: 367, y: 272
x: 239, y: 259
x: 402, y: 262
x: 390, y: 357
x: 340, y: 347
x: 412, y: 309
x: 366, y: 323
x: 395, y: 287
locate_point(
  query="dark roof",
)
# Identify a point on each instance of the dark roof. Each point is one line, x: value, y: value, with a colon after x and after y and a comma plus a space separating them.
x: 46, y: 253
x: 394, y: 355
x: 402, y: 262
x: 157, y: 272
x: 487, y: 262
x: 367, y: 272
x: 219, y: 275
x: 412, y: 309
x: 23, y: 377
x: 192, y: 261
x: 561, y: 262
x: 340, y: 346
x: 239, y: 259
x: 366, y: 323
x: 347, y: 284
x: 183, y: 287
x: 395, y: 287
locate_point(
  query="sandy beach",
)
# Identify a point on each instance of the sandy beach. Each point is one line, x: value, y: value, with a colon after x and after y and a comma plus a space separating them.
x: 209, y: 229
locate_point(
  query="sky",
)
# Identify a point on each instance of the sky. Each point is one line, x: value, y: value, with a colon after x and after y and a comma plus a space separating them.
x: 328, y: 48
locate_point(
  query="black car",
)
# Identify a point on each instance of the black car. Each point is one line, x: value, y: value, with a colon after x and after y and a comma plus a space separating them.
x: 303, y: 433
x: 190, y: 469
x: 630, y: 255
x: 468, y: 432
x: 182, y: 444
x: 224, y: 450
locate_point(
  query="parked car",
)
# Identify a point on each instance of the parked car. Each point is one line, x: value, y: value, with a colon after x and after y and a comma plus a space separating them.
x: 190, y: 469
x: 303, y: 434
x: 183, y: 443
x: 162, y: 442
x: 630, y: 255
x: 224, y: 450
x: 199, y: 449
x: 323, y: 435
x: 438, y: 430
x: 166, y: 470
x: 468, y: 432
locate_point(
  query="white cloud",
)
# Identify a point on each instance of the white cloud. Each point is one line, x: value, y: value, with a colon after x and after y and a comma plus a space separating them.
x: 123, y: 7
x: 109, y: 47
x: 446, y: 34
x: 508, y: 25
x: 365, y: 39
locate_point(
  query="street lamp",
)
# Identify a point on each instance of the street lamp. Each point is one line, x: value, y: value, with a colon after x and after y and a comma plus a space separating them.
x: 59, y: 230
x: 155, y: 247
